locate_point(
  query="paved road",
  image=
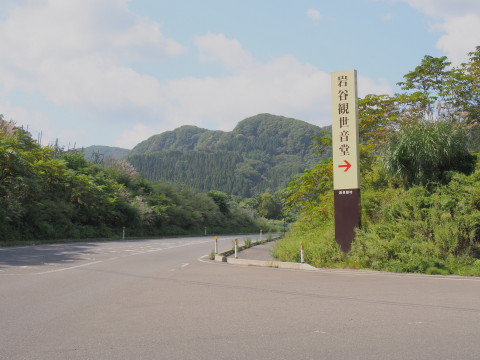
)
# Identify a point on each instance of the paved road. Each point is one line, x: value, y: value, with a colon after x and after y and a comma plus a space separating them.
x: 156, y: 299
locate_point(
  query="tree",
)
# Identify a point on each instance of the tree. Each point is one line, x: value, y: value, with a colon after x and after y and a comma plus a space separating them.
x: 433, y: 91
x: 310, y: 190
x: 270, y: 207
x: 431, y: 78
x: 222, y: 200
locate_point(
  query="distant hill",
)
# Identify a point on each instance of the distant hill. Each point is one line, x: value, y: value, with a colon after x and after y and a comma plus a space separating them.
x: 94, y: 151
x: 261, y: 154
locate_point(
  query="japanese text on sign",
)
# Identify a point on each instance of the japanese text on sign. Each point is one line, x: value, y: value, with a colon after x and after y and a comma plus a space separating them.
x: 345, y: 129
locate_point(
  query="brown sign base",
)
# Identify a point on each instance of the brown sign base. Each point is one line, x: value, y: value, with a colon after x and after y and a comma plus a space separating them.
x: 347, y: 216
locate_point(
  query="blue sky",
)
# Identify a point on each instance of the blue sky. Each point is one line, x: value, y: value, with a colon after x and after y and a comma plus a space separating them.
x: 115, y: 72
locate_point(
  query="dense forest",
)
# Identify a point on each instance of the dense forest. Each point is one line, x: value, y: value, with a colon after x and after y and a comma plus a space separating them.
x: 47, y: 193
x: 420, y: 180
x: 262, y: 154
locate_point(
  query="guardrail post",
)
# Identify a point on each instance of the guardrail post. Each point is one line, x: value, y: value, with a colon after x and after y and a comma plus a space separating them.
x: 302, y: 257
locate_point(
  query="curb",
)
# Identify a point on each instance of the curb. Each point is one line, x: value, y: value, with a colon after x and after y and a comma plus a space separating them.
x: 224, y: 257
x: 272, y: 264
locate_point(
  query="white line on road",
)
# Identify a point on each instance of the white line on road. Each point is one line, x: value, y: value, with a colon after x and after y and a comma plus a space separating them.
x: 189, y: 243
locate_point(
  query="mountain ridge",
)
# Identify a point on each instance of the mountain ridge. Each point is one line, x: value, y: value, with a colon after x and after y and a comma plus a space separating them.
x: 261, y: 154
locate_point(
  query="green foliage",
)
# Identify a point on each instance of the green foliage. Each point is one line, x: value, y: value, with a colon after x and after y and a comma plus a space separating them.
x: 449, y: 93
x: 270, y: 206
x: 48, y: 194
x: 427, y: 152
x: 221, y: 199
x: 310, y: 192
x: 321, y: 250
x: 377, y: 113
x: 419, y: 230
x: 432, y: 223
x: 435, y: 231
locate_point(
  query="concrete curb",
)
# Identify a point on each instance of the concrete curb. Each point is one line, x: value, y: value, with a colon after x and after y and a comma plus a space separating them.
x: 224, y: 257
x: 272, y: 264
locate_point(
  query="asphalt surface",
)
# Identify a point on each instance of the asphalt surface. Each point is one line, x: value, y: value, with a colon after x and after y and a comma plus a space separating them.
x: 259, y: 252
x: 163, y: 299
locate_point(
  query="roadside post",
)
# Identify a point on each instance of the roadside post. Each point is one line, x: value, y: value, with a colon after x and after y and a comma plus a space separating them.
x: 123, y: 233
x: 346, y: 164
x: 216, y: 245
x: 261, y: 233
x: 302, y: 254
x: 236, y: 246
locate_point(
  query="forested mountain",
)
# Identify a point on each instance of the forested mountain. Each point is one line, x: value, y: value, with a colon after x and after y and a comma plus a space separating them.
x: 262, y: 154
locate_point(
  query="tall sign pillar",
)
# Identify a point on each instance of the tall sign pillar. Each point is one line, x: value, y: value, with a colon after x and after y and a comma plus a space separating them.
x: 346, y: 170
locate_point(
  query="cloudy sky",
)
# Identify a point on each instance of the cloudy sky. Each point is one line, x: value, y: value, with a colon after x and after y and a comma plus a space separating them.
x: 115, y: 72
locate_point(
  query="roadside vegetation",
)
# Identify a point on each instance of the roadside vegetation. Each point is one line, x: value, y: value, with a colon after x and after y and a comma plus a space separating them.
x: 420, y: 184
x: 48, y: 194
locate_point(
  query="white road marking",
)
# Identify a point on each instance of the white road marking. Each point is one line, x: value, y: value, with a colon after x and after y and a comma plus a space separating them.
x: 118, y: 250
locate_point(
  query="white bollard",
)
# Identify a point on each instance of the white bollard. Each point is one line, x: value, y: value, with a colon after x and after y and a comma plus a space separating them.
x: 236, y: 246
x: 216, y: 245
x: 302, y: 258
x: 123, y: 233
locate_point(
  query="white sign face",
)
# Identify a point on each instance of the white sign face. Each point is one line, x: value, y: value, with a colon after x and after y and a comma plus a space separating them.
x: 346, y: 171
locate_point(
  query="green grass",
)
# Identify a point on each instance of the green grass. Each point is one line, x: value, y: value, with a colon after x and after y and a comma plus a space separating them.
x: 320, y: 248
x: 419, y: 230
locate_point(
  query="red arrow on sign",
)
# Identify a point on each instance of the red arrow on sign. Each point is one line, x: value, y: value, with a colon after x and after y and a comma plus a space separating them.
x: 346, y: 166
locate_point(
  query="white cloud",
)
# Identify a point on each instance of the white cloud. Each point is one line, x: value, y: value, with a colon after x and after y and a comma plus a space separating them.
x: 136, y: 134
x: 76, y: 51
x: 368, y: 85
x: 314, y: 14
x: 458, y: 20
x: 217, y: 47
x: 445, y: 8
x: 37, y: 123
x: 76, y: 55
x: 283, y: 86
x: 461, y: 37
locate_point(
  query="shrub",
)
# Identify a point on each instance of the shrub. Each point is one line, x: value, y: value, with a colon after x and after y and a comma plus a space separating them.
x: 428, y: 152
